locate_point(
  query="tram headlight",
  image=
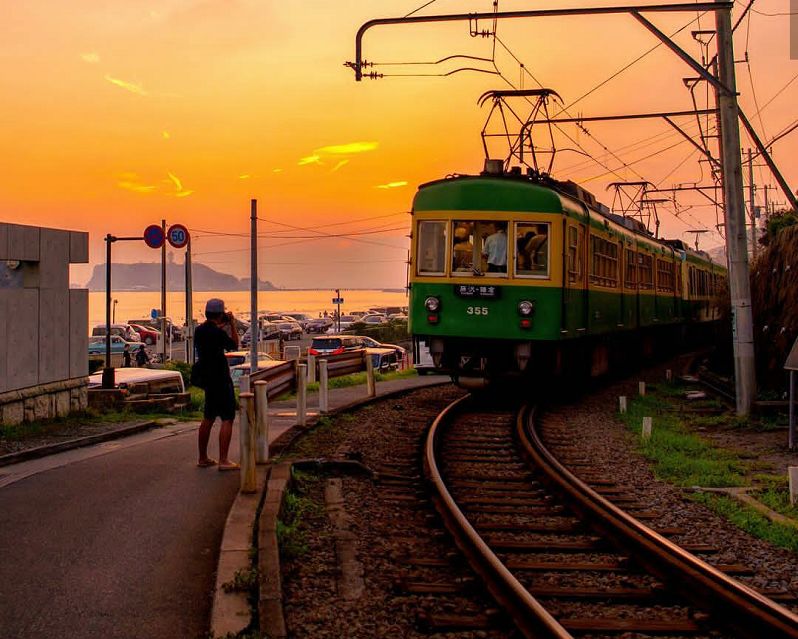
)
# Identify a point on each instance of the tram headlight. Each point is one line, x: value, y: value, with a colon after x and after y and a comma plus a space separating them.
x: 432, y: 304
x: 526, y: 308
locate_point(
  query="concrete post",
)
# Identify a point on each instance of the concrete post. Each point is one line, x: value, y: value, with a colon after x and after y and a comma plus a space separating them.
x: 311, y: 369
x: 370, y: 381
x: 324, y: 391
x: 622, y: 404
x: 246, y: 438
x: 668, y: 375
x: 243, y: 384
x: 262, y: 422
x: 647, y: 427
x: 792, y: 412
x: 792, y: 471
x: 734, y: 217
x: 301, y: 394
x: 641, y: 388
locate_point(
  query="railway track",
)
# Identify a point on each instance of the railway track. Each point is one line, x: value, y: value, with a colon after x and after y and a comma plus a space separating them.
x: 561, y: 557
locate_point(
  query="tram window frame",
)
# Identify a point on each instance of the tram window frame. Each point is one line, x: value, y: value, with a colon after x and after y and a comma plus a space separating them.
x: 645, y: 268
x: 665, y: 277
x: 441, y: 240
x: 603, y: 262
x: 542, y: 251
x: 630, y: 268
x: 478, y: 232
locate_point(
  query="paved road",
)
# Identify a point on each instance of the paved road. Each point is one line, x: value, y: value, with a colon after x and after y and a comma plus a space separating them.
x: 120, y: 542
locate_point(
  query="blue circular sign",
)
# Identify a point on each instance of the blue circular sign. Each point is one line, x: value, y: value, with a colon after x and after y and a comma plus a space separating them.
x: 153, y: 236
x: 177, y: 235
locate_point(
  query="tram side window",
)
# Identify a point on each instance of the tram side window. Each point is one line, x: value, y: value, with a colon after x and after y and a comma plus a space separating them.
x: 631, y: 269
x: 604, y: 261
x: 644, y: 265
x: 575, y: 240
x: 431, y: 252
x: 532, y: 249
x: 664, y: 275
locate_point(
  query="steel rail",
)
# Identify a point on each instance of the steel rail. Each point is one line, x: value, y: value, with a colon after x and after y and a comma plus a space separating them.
x: 738, y: 606
x: 531, y: 618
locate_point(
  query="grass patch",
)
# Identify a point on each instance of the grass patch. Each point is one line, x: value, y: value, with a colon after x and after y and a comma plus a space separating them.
x: 751, y: 521
x: 297, y: 509
x: 680, y: 456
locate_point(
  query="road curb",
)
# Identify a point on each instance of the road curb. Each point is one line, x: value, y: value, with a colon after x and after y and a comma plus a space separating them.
x: 70, y: 444
x: 231, y: 613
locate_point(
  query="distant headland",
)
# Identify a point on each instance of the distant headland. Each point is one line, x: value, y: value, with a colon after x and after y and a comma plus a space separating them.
x: 146, y: 276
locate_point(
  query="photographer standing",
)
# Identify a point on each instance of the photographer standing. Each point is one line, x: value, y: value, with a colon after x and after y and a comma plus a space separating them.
x: 212, y: 338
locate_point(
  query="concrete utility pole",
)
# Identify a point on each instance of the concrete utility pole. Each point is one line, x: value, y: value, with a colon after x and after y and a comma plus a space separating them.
x: 253, y: 286
x: 736, y: 244
x: 752, y: 203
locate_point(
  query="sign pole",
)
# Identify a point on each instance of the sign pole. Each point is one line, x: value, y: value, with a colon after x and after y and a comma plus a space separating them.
x: 108, y: 372
x: 338, y: 300
x: 253, y: 287
x: 189, y: 307
x: 163, y: 295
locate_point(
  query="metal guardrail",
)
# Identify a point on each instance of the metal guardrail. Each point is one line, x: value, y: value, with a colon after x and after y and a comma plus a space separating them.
x: 282, y: 378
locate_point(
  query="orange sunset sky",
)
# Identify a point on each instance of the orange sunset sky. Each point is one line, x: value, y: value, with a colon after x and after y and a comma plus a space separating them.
x: 116, y: 114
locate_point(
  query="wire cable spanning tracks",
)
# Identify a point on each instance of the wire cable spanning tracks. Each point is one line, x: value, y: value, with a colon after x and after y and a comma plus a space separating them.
x: 481, y: 474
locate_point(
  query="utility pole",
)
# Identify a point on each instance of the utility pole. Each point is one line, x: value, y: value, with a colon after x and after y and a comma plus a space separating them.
x: 163, y: 295
x: 752, y: 203
x: 189, y: 307
x: 736, y: 244
x: 253, y: 286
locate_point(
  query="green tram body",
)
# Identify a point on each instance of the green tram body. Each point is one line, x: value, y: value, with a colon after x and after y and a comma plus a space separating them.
x: 598, y: 283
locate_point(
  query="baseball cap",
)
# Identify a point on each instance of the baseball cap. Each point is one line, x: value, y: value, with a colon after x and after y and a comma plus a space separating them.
x: 214, y: 305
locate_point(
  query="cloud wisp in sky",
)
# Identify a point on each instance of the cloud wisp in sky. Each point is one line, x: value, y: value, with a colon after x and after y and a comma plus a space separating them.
x: 131, y: 182
x: 91, y: 57
x: 392, y: 185
x: 339, y: 152
x: 133, y: 87
x: 180, y: 191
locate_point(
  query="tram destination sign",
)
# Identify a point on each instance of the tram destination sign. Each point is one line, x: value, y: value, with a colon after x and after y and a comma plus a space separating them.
x: 477, y: 291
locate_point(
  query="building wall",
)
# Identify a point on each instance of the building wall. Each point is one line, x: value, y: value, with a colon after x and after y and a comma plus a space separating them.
x: 43, y: 323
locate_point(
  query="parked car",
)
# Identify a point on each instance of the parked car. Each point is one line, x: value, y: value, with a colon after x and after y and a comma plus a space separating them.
x: 237, y: 372
x: 157, y: 381
x: 303, y: 318
x: 290, y: 330
x: 175, y: 333
x: 319, y: 324
x: 397, y: 317
x: 370, y: 342
x: 383, y: 359
x: 267, y: 330
x: 147, y: 334
x: 234, y: 358
x: 333, y: 345
x: 97, y: 345
x: 373, y: 320
x: 125, y: 331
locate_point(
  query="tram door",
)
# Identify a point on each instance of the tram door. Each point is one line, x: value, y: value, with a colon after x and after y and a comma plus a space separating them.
x: 575, y: 301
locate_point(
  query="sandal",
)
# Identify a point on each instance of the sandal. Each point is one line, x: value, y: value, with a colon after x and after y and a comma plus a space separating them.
x: 204, y: 463
x: 229, y: 466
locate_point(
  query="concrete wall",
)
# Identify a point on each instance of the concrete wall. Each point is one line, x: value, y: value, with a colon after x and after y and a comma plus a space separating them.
x: 43, y: 323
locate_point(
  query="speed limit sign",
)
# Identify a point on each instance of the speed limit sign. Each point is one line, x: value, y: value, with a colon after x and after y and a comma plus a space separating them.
x: 177, y: 235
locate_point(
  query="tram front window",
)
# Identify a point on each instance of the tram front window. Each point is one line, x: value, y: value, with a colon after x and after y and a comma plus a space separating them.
x: 479, y: 247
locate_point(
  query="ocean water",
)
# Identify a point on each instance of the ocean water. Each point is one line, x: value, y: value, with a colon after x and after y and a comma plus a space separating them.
x: 138, y: 304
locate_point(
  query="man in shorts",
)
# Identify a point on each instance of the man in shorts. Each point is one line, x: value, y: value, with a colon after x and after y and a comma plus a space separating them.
x: 211, y: 339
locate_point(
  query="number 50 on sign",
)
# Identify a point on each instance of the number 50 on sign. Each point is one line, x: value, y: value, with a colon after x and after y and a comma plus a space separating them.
x: 177, y: 235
